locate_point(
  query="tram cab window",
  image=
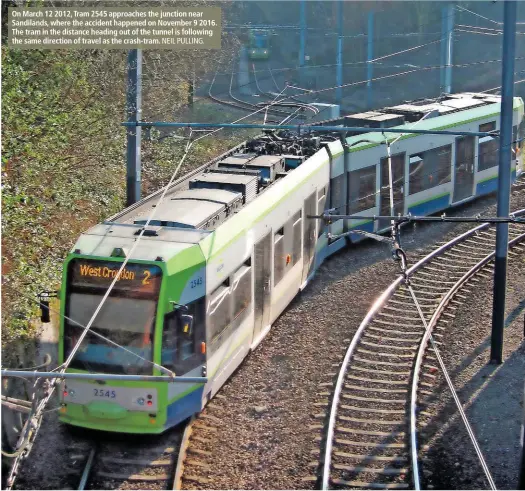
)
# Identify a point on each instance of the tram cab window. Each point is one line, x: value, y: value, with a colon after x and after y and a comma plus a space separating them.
x: 180, y: 338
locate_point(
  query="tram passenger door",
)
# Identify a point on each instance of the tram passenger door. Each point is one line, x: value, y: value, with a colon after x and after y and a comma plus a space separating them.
x: 263, y: 285
x: 309, y: 233
x: 398, y: 185
x: 464, y: 168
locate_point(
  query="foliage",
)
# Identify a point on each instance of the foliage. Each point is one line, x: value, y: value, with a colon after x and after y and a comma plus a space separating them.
x: 63, y: 155
x: 62, y: 168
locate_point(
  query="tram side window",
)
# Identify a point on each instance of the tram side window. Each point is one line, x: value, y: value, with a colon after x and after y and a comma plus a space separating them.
x: 297, y: 236
x: 362, y: 189
x: 516, y: 137
x: 488, y: 148
x: 486, y: 127
x: 242, y: 290
x: 321, y: 201
x: 278, y: 256
x: 287, y: 247
x: 219, y: 315
x: 429, y: 169
x: 337, y: 194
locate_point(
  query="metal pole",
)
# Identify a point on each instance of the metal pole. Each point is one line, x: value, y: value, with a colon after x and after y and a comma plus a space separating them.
x: 443, y: 57
x: 302, y: 38
x: 502, y: 229
x: 339, y: 74
x: 134, y: 110
x: 369, y: 58
x: 312, y: 127
x: 101, y: 376
x: 191, y: 88
x: 449, y: 22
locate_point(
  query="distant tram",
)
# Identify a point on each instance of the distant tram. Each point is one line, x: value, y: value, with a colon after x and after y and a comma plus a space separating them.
x: 259, y: 45
x: 232, y: 244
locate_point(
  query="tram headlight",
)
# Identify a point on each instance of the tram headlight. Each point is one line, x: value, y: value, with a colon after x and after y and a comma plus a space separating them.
x: 140, y: 401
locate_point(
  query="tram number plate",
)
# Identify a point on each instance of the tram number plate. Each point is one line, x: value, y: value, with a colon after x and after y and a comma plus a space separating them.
x: 110, y: 394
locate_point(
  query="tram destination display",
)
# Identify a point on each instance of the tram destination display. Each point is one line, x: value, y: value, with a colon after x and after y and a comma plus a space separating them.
x: 144, y: 278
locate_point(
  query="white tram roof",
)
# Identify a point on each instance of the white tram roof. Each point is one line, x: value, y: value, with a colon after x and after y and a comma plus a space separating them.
x: 213, y: 195
x: 183, y: 213
x: 452, y: 102
x: 374, y: 116
x: 226, y: 178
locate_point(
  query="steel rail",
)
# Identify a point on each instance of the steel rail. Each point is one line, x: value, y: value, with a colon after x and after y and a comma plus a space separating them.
x: 423, y: 346
x: 378, y: 304
x: 179, y: 468
x: 251, y: 106
x: 87, y: 469
x: 268, y: 95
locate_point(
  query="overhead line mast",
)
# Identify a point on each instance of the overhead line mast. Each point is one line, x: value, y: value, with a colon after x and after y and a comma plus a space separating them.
x: 502, y: 229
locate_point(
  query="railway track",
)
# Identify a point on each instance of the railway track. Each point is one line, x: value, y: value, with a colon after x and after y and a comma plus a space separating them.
x: 241, y: 104
x: 146, y: 462
x: 238, y: 103
x: 297, y: 105
x: 370, y: 438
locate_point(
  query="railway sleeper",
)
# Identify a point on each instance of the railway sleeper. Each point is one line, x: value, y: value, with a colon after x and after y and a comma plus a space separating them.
x: 368, y: 485
x: 148, y: 462
x: 412, y: 347
x: 387, y: 355
x: 461, y: 257
x: 423, y: 276
x: 382, y: 445
x: 396, y: 318
x: 404, y: 373
x: 372, y: 410
x: 455, y: 263
x: 397, y: 324
x: 355, y: 431
x: 380, y: 363
x: 133, y: 477
x: 410, y: 309
x: 399, y: 340
x: 373, y: 458
x: 354, y: 397
x: 377, y: 381
x: 370, y: 421
x: 388, y: 471
x: 376, y: 389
